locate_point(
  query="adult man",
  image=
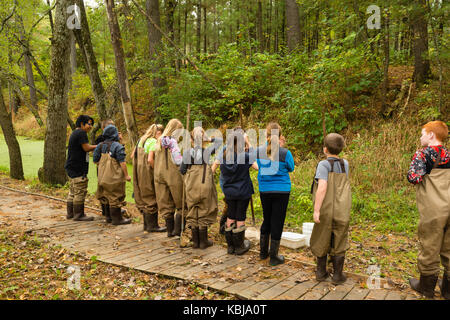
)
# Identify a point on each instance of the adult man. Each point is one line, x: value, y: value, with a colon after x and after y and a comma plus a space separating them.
x: 77, y: 167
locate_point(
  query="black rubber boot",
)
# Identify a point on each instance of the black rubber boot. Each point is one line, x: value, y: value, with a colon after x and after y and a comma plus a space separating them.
x: 425, y: 285
x: 241, y: 245
x: 321, y: 272
x: 78, y: 213
x: 275, y: 259
x: 338, y: 267
x: 103, y: 209
x: 69, y: 210
x: 223, y: 220
x: 145, y: 219
x: 177, y: 225
x: 108, y: 213
x: 116, y: 216
x: 229, y: 238
x: 445, y: 288
x: 195, y: 238
x: 264, y: 246
x: 204, y: 242
x: 152, y: 223
x: 170, y: 224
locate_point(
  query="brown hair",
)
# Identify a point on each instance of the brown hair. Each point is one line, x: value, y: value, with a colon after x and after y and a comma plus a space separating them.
x: 439, y: 128
x: 233, y: 141
x: 334, y: 142
x: 171, y: 127
x: 273, y: 140
x: 199, y: 131
x: 151, y: 131
x: 106, y: 123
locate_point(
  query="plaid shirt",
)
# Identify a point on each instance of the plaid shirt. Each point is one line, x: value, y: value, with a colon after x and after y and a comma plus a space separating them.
x: 423, y: 161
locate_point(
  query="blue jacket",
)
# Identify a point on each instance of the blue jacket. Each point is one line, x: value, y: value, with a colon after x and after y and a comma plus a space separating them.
x: 237, y: 184
x: 117, y: 150
x: 273, y: 176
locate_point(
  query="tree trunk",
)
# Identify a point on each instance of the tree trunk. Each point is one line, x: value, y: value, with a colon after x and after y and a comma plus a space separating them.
x: 259, y: 29
x: 199, y: 25
x: 386, y: 63
x: 121, y: 72
x: 170, y: 10
x: 83, y: 38
x: 205, y: 28
x: 292, y: 25
x: 55, y: 137
x: 155, y: 47
x: 15, y: 157
x: 419, y: 24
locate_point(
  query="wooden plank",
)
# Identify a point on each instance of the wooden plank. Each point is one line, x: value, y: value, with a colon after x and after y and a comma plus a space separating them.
x: 230, y: 278
x: 318, y: 291
x: 298, y: 290
x: 182, y: 267
x: 393, y: 295
x: 153, y: 265
x: 275, y: 275
x: 340, y: 291
x: 281, y: 287
x: 410, y: 296
x: 357, y: 293
x: 377, y: 294
x: 130, y: 255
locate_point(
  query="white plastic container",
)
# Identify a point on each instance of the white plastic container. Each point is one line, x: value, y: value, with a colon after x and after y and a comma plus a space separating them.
x: 293, y: 240
x: 307, y: 227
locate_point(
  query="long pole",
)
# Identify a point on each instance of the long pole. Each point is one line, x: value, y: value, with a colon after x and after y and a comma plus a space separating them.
x: 184, y: 195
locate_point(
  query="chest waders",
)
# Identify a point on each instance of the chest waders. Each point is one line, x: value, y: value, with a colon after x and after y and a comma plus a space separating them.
x: 433, y: 204
x: 169, y: 190
x: 144, y: 189
x: 201, y: 200
x: 330, y: 236
x: 111, y: 186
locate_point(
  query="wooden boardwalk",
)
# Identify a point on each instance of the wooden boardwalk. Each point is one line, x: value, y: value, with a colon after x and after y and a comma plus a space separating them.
x: 243, y: 276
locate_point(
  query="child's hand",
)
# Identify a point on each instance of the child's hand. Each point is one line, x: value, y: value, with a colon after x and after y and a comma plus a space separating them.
x: 128, y: 178
x: 316, y: 216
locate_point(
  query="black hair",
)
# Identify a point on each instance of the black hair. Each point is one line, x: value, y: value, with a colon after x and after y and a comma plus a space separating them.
x: 83, y: 119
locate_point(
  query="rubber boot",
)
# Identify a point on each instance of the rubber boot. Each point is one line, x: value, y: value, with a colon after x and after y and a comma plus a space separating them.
x: 108, y: 213
x: 264, y: 246
x: 445, y: 288
x: 195, y: 238
x: 241, y: 245
x: 275, y: 259
x: 145, y: 219
x: 229, y: 238
x: 338, y: 267
x: 204, y: 242
x: 152, y: 223
x: 170, y: 224
x: 78, y: 213
x: 177, y: 226
x: 104, y: 210
x: 116, y: 216
x: 223, y: 220
x: 425, y: 285
x: 69, y: 210
x: 321, y: 272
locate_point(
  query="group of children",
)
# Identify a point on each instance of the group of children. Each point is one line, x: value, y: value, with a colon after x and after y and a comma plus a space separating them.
x: 165, y: 180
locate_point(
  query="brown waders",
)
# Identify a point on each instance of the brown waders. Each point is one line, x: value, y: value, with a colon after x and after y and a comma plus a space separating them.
x: 201, y: 200
x: 144, y: 190
x: 75, y: 200
x: 433, y: 203
x: 330, y: 236
x: 111, y: 186
x: 169, y: 190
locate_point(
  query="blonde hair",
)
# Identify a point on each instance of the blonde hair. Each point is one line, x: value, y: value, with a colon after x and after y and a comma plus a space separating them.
x: 151, y: 131
x: 199, y: 131
x: 171, y: 127
x: 273, y: 140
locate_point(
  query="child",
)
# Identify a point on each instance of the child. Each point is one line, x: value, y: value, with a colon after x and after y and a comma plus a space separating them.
x: 168, y: 181
x: 143, y: 177
x: 237, y: 188
x: 332, y: 203
x: 430, y: 172
x: 201, y: 194
x: 275, y: 163
x: 112, y: 173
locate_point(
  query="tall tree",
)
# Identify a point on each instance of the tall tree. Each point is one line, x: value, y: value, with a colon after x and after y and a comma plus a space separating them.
x: 83, y: 38
x: 292, y: 25
x: 15, y: 157
x: 55, y: 136
x: 199, y: 25
x: 419, y: 23
x: 121, y: 72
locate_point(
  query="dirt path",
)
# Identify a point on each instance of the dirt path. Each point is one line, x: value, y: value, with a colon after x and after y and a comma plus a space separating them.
x: 244, y: 276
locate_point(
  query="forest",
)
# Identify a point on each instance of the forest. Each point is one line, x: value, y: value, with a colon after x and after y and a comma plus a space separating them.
x: 374, y: 71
